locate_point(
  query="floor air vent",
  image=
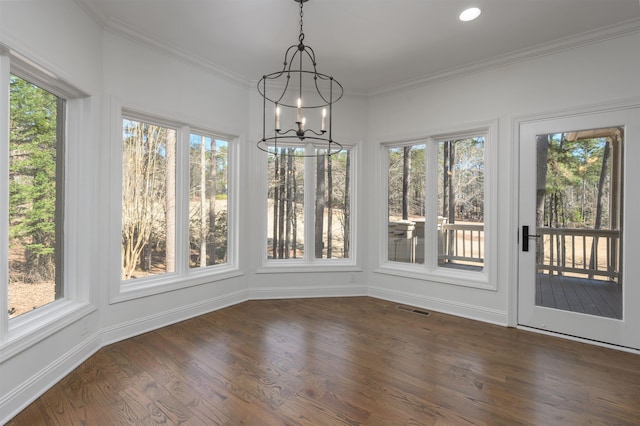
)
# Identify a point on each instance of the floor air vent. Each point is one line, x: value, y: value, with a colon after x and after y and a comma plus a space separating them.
x: 413, y: 310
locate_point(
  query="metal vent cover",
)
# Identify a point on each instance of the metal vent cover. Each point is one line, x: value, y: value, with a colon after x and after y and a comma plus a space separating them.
x: 413, y: 310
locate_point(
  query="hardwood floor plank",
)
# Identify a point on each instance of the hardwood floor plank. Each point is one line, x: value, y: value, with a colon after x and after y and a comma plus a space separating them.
x: 342, y: 361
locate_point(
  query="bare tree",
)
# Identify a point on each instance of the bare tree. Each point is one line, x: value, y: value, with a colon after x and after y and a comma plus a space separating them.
x: 140, y: 188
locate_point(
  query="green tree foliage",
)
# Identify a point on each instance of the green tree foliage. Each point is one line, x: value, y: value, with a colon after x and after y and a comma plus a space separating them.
x: 572, y: 182
x: 406, y: 182
x: 32, y: 174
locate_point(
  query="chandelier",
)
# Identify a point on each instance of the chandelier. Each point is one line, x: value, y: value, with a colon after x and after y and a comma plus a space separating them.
x: 299, y: 102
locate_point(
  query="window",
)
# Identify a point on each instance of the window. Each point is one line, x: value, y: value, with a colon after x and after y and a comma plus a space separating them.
x: 406, y: 194
x: 208, y: 212
x: 148, y: 199
x: 35, y: 209
x: 176, y: 197
x: 309, y: 204
x: 461, y: 203
x: 438, y: 195
x: 40, y: 227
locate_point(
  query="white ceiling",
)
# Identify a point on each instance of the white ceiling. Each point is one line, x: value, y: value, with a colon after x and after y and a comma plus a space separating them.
x: 367, y: 45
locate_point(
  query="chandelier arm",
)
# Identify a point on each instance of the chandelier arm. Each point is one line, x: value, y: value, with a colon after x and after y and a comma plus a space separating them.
x: 332, y: 147
x: 312, y: 56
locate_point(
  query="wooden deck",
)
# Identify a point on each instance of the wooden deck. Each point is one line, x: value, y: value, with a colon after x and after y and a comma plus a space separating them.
x: 594, y: 297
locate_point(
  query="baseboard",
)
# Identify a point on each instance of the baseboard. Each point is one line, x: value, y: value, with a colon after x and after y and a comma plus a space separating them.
x: 138, y: 326
x: 473, y: 312
x: 288, y: 292
x: 24, y: 394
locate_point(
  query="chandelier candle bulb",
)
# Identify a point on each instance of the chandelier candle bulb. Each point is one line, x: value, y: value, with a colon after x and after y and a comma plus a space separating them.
x: 277, y: 118
x: 324, y: 120
x: 304, y: 120
x: 299, y: 110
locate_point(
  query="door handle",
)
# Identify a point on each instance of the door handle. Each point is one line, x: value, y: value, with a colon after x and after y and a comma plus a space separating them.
x: 526, y: 236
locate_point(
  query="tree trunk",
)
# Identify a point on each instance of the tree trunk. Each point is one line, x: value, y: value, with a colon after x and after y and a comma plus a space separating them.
x: 347, y: 206
x: 294, y: 236
x: 320, y: 205
x: 445, y: 179
x: 329, y: 208
x: 289, y: 206
x: 203, y: 203
x: 451, y: 208
x: 598, y: 223
x: 542, y: 155
x: 406, y: 176
x: 276, y: 203
x: 281, y: 202
x: 170, y: 211
x: 211, y: 240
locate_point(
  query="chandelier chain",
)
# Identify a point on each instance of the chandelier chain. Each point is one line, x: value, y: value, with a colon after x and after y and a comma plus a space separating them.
x: 301, y: 36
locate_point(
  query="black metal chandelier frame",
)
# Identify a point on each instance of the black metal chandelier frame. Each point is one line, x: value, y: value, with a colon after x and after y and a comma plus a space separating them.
x: 298, y: 53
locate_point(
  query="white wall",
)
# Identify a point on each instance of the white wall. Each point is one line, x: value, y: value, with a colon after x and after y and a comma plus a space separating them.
x: 598, y: 73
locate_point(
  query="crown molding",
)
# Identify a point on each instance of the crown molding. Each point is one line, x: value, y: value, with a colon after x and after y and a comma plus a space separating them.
x: 545, y: 49
x: 93, y: 11
x: 120, y: 29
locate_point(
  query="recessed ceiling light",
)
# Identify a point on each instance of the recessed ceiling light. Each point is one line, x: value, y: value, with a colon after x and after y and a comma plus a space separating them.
x: 469, y: 14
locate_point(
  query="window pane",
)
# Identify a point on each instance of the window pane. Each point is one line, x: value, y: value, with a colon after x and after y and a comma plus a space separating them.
x: 208, y: 168
x: 148, y: 199
x: 35, y: 197
x: 285, y: 214
x: 461, y: 203
x: 406, y: 205
x: 332, y: 219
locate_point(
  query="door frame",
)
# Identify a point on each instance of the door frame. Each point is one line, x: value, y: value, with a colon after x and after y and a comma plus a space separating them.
x: 517, y: 123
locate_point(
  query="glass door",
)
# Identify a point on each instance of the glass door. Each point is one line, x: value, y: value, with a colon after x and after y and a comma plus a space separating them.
x: 573, y: 278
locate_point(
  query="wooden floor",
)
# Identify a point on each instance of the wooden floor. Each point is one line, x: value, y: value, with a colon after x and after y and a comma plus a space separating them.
x: 595, y: 297
x: 343, y: 361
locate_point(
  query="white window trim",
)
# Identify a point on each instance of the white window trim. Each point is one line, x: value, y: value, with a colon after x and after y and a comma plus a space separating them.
x: 183, y: 276
x: 17, y: 334
x: 429, y: 271
x: 309, y: 263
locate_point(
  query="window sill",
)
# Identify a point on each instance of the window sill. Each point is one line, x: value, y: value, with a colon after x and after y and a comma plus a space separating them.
x: 144, y: 287
x: 33, y: 327
x: 474, y: 279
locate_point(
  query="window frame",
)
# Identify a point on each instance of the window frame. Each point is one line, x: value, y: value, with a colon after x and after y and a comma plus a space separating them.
x: 309, y: 263
x: 429, y: 270
x: 183, y: 276
x: 77, y: 300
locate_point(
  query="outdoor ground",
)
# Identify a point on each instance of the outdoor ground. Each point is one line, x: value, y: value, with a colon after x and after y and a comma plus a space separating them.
x: 25, y: 297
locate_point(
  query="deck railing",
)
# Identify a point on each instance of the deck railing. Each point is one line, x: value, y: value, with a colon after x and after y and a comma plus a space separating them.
x: 461, y: 243
x: 458, y: 243
x: 586, y: 252
x: 583, y: 252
